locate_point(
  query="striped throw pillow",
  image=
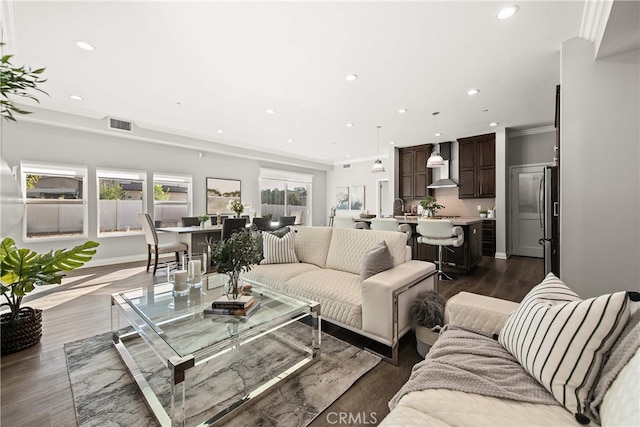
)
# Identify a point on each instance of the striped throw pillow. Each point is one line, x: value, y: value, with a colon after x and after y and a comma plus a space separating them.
x: 278, y: 250
x: 560, y: 339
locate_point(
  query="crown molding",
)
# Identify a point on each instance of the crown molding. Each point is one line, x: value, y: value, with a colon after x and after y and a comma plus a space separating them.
x: 594, y: 20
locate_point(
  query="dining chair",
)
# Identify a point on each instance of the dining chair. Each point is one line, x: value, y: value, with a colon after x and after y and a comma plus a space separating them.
x: 151, y: 235
x: 190, y: 221
x: 262, y: 224
x: 231, y: 225
x: 298, y: 215
x: 286, y: 220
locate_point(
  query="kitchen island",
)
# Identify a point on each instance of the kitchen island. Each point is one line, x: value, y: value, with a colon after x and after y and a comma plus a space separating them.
x: 458, y: 260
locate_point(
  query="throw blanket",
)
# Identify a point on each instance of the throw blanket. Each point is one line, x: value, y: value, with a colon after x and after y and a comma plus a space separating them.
x: 473, y: 363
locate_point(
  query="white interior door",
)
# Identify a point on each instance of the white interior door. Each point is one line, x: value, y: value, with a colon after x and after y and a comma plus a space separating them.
x: 525, y: 220
x: 383, y: 206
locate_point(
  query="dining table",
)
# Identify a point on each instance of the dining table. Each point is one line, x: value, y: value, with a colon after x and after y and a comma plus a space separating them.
x: 195, y: 237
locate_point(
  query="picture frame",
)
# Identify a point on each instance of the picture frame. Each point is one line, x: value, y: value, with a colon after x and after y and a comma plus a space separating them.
x: 342, y: 198
x: 356, y: 197
x: 219, y: 192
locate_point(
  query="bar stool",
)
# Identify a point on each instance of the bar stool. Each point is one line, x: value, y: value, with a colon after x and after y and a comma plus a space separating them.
x: 441, y: 233
x: 391, y: 224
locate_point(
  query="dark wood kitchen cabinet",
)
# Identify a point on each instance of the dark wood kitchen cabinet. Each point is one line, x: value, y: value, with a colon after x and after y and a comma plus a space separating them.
x: 477, y: 167
x: 414, y: 177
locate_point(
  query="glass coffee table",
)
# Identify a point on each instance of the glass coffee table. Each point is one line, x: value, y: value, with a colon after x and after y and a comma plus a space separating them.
x: 162, y: 338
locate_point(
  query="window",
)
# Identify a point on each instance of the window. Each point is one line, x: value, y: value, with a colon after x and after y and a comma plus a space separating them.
x: 120, y: 200
x: 284, y: 193
x: 172, y: 198
x: 55, y: 201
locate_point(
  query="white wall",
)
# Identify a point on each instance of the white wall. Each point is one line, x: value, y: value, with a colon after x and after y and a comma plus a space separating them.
x: 358, y: 173
x: 28, y: 140
x: 600, y: 178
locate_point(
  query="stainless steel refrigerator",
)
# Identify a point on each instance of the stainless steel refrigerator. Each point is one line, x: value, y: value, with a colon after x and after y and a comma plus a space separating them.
x: 549, y: 213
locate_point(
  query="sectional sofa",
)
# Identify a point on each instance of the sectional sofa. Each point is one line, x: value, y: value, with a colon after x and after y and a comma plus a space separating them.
x: 362, y: 284
x: 552, y: 360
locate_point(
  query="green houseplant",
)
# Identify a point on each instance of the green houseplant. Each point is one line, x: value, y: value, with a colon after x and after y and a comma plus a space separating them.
x: 17, y: 81
x: 430, y: 205
x: 21, y: 270
x: 235, y: 255
x: 203, y: 219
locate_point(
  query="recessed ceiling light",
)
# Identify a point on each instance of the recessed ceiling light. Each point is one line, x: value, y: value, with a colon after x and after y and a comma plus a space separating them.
x: 507, y: 12
x: 438, y: 134
x: 472, y: 92
x: 220, y: 131
x: 402, y: 110
x: 75, y: 97
x: 494, y: 124
x: 392, y: 143
x: 349, y: 125
x: 348, y: 156
x: 84, y: 45
x: 351, y: 77
x: 289, y: 140
x: 179, y: 104
x: 270, y: 111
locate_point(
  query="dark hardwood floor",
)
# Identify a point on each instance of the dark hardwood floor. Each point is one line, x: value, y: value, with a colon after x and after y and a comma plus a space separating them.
x: 34, y: 384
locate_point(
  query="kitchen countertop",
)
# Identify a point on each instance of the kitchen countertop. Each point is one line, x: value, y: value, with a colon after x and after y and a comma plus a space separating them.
x: 412, y: 219
x: 461, y: 220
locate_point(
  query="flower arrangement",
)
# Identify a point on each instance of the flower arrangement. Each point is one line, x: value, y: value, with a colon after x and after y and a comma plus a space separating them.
x: 203, y: 218
x: 235, y: 206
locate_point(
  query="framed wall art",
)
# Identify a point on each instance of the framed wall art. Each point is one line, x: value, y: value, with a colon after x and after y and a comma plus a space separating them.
x: 356, y: 197
x: 342, y: 198
x: 219, y: 192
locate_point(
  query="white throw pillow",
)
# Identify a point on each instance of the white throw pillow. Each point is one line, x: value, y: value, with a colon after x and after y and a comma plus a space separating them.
x: 560, y: 339
x: 278, y: 250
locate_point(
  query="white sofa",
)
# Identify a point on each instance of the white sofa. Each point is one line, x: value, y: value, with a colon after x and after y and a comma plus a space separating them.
x: 329, y: 272
x: 447, y: 407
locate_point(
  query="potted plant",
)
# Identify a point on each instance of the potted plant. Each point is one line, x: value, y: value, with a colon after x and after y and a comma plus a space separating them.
x: 235, y: 255
x: 17, y: 81
x: 203, y: 219
x: 427, y: 312
x: 430, y: 205
x: 483, y: 213
x: 20, y: 272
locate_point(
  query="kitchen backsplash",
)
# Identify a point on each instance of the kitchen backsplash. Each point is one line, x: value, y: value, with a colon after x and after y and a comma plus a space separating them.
x: 448, y: 197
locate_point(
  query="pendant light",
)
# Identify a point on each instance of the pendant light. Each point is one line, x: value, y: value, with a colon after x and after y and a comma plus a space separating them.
x: 435, y: 160
x: 377, y: 165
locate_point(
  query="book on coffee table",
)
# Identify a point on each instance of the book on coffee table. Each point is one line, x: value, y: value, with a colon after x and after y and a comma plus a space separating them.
x: 245, y: 312
x: 240, y: 303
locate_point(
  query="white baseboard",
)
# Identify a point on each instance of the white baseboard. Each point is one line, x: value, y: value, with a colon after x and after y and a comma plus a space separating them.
x: 501, y: 255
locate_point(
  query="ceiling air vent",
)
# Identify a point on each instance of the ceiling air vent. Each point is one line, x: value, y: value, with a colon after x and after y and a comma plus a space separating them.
x: 119, y: 124
x: 346, y: 166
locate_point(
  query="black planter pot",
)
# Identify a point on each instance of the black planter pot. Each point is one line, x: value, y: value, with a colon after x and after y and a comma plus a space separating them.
x: 25, y: 332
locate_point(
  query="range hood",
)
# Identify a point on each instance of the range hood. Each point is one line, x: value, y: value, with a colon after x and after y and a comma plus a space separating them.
x: 441, y: 174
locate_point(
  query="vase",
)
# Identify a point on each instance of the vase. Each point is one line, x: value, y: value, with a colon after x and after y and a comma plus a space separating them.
x: 25, y: 332
x: 233, y: 290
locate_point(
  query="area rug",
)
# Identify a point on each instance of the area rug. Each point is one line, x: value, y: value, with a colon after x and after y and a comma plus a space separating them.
x: 105, y: 395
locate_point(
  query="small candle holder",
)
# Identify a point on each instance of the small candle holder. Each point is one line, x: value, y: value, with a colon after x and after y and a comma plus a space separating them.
x: 180, y: 283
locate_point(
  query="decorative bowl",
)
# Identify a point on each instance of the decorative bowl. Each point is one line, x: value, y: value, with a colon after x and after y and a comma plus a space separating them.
x: 367, y: 216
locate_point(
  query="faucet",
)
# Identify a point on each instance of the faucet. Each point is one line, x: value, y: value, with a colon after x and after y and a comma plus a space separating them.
x: 401, y: 205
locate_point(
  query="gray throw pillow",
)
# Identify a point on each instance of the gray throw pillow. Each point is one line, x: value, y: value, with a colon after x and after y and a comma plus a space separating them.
x: 376, y: 260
